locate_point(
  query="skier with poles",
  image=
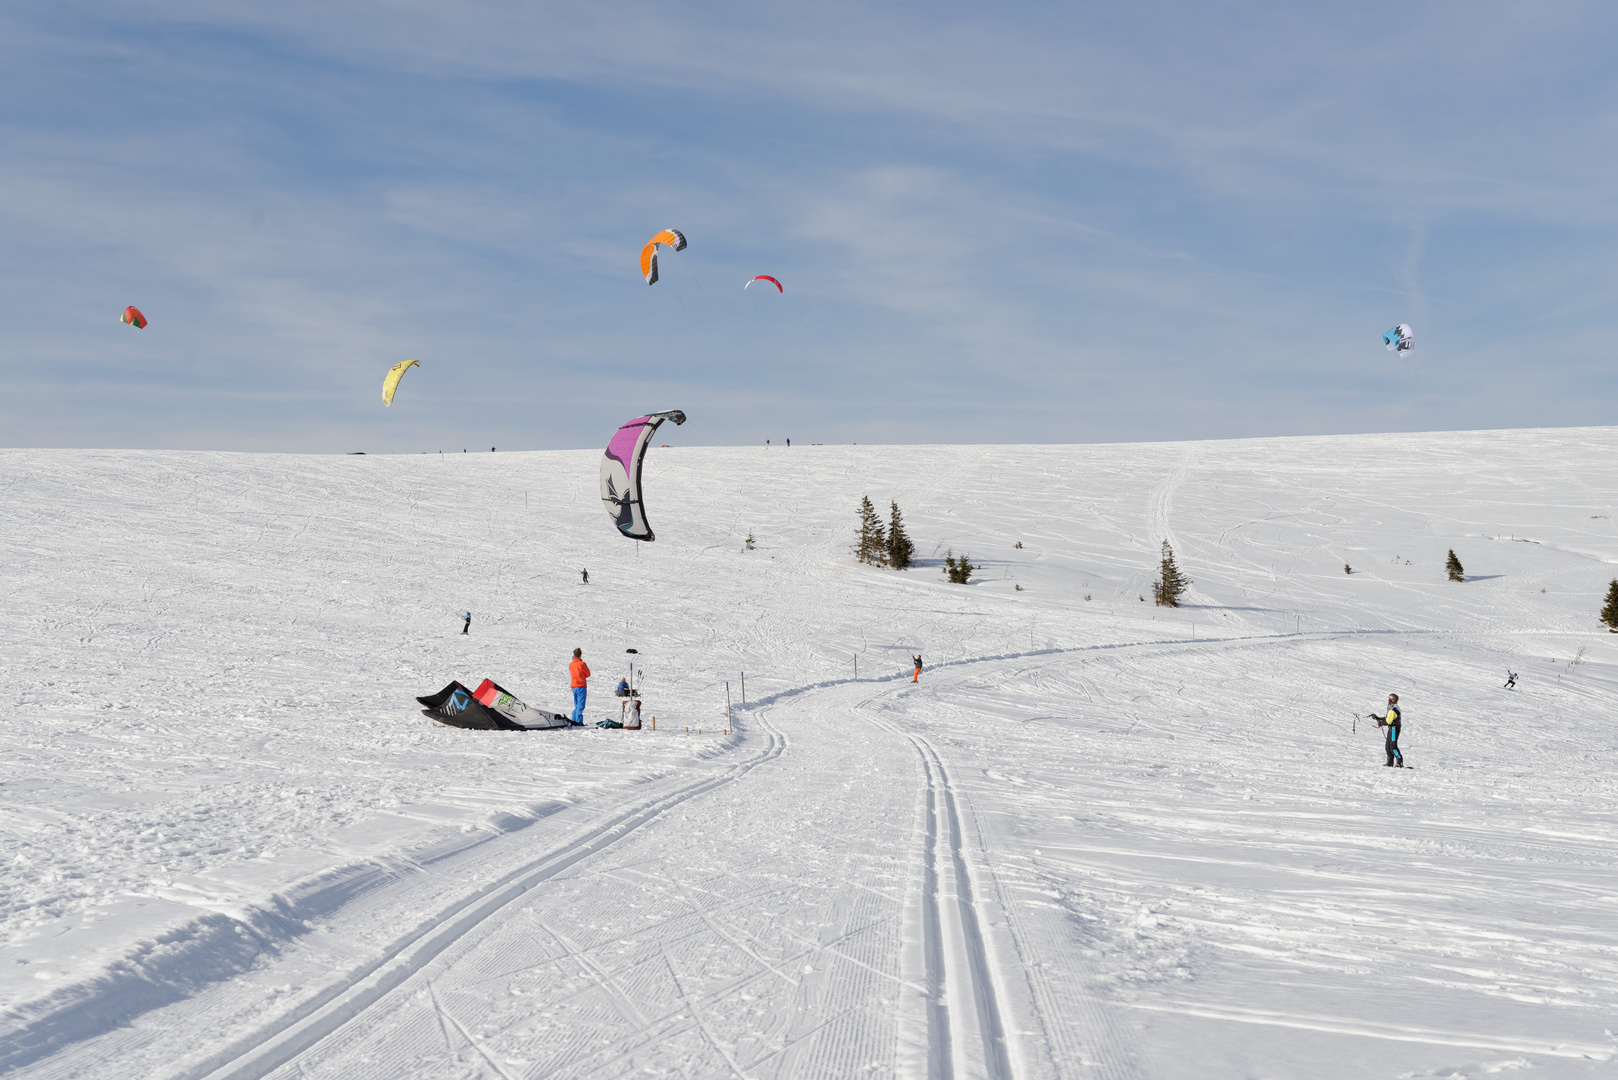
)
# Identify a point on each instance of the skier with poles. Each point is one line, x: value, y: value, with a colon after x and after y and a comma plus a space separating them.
x: 1391, y: 720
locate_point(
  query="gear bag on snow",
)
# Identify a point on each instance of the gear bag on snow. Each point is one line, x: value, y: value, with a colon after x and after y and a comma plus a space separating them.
x: 490, y: 708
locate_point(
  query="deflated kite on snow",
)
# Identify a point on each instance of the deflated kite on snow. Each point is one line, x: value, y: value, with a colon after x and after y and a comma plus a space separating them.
x: 390, y: 382
x: 669, y: 238
x: 620, y: 473
x: 1399, y: 339
x: 133, y: 317
x: 766, y: 277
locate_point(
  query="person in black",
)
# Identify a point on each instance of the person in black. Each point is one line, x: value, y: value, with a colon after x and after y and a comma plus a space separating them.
x: 917, y: 675
x: 467, y: 628
x: 586, y: 574
x: 1390, y: 723
x: 1511, y: 680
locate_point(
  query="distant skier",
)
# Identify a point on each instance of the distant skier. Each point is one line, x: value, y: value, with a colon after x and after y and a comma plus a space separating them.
x: 586, y: 574
x: 1511, y: 680
x: 468, y: 627
x: 580, y: 671
x: 917, y: 674
x: 1391, y: 722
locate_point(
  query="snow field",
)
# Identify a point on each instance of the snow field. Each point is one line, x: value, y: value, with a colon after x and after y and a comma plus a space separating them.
x: 1097, y: 839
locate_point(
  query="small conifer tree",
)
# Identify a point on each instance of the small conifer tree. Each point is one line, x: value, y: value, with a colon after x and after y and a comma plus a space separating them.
x: 750, y: 541
x: 1609, y: 614
x: 873, y: 538
x: 1171, y: 584
x: 900, y: 549
x: 1453, y: 565
x: 959, y: 571
x: 1347, y: 569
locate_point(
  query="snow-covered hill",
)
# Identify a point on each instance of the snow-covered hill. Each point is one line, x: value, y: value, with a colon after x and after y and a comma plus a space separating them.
x: 1097, y: 839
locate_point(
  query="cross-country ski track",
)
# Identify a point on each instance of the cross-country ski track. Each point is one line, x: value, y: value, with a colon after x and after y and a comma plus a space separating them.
x: 1096, y: 839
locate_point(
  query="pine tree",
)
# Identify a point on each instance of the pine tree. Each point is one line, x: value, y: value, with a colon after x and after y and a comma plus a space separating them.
x: 1171, y: 584
x: 959, y: 571
x: 1609, y: 614
x: 900, y: 549
x: 873, y: 539
x: 1456, y: 572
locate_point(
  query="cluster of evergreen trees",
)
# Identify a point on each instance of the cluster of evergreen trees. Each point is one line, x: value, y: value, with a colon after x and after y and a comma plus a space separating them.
x: 959, y: 571
x: 889, y: 545
x: 883, y: 545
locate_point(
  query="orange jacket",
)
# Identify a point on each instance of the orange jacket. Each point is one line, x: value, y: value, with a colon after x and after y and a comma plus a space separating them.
x: 580, y: 672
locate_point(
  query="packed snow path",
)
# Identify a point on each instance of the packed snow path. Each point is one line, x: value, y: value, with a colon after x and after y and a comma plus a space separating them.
x: 1097, y: 839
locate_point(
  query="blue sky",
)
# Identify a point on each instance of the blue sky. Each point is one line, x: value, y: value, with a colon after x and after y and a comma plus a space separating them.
x: 1036, y: 223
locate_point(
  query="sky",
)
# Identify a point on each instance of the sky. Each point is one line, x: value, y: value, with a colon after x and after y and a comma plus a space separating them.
x: 1036, y: 222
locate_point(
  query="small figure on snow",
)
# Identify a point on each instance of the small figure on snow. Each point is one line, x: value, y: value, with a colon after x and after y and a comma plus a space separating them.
x: 467, y: 628
x: 917, y: 674
x: 1391, y: 721
x: 580, y: 672
x: 623, y: 688
x: 1511, y: 680
x: 586, y: 575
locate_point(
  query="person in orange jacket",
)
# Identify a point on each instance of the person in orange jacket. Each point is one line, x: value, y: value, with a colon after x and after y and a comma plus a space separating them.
x: 581, y: 684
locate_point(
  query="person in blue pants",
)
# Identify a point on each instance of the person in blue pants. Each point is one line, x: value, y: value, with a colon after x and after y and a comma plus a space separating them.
x: 1390, y: 722
x: 580, y: 671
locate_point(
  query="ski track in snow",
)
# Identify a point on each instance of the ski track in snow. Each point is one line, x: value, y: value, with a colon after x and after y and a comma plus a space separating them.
x: 1098, y: 839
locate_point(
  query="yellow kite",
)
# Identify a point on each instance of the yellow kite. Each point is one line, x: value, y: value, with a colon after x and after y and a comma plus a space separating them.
x: 391, y: 382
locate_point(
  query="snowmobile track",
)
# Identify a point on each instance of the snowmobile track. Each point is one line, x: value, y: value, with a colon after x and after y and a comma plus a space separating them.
x: 290, y: 1036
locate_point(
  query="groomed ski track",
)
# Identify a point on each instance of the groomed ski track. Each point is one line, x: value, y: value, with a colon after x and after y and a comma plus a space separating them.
x: 348, y: 1000
x: 962, y: 1035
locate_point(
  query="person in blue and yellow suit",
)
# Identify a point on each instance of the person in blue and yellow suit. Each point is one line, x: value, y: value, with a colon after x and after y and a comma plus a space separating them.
x: 1390, y: 722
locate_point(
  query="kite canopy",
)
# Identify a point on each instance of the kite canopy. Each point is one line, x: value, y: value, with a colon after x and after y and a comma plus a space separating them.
x: 620, y: 473
x: 669, y: 238
x: 134, y: 318
x: 390, y: 382
x: 766, y: 277
x: 1399, y: 339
